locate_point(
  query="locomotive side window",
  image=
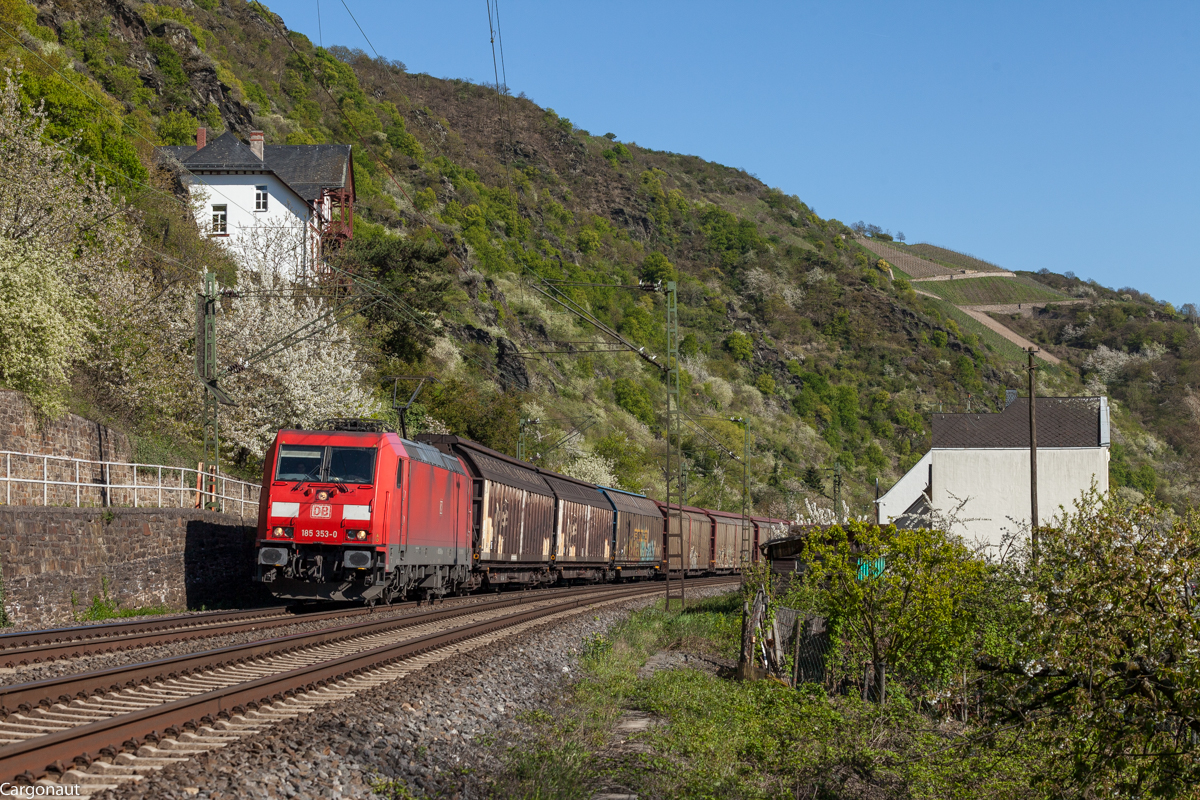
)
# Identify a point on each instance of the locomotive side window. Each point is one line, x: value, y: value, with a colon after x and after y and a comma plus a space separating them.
x: 399, y: 474
x: 351, y: 465
x: 299, y: 463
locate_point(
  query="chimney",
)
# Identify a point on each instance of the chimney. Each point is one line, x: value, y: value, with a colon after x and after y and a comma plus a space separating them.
x: 201, y: 138
x: 256, y: 143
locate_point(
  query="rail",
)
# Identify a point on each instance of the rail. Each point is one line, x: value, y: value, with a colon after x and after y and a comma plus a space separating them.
x: 45, y: 480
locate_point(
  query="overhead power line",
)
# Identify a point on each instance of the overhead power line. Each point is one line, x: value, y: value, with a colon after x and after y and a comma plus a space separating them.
x: 360, y: 30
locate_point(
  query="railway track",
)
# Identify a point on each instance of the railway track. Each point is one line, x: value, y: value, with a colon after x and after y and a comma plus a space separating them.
x: 35, y: 647
x: 103, y: 728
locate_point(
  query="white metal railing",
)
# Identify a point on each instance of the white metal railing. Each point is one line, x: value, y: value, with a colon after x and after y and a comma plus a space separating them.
x: 117, y: 483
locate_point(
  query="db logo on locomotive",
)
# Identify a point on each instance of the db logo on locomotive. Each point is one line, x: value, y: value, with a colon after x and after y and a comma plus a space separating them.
x: 321, y: 512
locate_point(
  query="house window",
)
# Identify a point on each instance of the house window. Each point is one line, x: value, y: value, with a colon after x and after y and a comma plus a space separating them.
x: 260, y: 198
x: 220, y: 219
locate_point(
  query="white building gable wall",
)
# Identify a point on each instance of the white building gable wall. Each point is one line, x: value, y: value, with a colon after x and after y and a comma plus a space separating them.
x: 906, y: 490
x: 994, y: 482
x: 286, y: 212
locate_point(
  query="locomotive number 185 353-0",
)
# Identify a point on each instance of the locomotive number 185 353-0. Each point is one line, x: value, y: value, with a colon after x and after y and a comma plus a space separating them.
x: 316, y: 534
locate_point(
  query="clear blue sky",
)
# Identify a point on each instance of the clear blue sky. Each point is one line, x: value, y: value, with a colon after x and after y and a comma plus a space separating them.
x: 1058, y: 135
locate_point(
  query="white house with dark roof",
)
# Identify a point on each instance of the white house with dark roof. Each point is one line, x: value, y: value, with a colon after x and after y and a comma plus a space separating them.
x: 248, y: 188
x: 982, y: 461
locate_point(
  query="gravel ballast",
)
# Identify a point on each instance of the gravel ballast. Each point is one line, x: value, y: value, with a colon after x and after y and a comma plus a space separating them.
x: 441, y: 730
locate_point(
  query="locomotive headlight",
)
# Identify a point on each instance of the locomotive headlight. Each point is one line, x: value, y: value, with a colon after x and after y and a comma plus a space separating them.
x: 360, y: 535
x: 281, y: 532
x: 323, y: 495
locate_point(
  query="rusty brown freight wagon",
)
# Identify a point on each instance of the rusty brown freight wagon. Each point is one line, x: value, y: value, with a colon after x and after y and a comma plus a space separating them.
x: 512, y: 513
x: 637, y: 535
x: 697, y: 538
x: 583, y: 528
x: 727, y: 540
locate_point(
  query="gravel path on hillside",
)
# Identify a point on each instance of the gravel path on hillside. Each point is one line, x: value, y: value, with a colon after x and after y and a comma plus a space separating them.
x: 441, y: 731
x: 75, y: 666
x: 1010, y: 334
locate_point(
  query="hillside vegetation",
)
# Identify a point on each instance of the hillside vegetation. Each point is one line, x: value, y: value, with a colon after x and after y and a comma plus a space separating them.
x: 468, y: 203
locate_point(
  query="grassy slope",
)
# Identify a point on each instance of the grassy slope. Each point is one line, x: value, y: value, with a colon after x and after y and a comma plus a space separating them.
x: 990, y: 291
x: 720, y: 737
x: 841, y: 361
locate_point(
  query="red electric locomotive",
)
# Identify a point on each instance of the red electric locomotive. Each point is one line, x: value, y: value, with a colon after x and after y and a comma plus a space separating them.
x: 362, y: 515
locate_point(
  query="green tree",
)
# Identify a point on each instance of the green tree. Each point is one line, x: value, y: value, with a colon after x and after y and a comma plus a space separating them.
x: 689, y: 345
x: 740, y: 346
x: 178, y: 128
x: 635, y: 399
x: 411, y: 272
x: 399, y: 138
x: 477, y: 411
x: 657, y: 268
x: 425, y: 199
x: 589, y: 241
x: 1101, y: 672
x: 904, y: 600
x: 765, y: 383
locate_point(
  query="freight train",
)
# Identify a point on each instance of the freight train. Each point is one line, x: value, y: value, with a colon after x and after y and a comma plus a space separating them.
x: 357, y: 513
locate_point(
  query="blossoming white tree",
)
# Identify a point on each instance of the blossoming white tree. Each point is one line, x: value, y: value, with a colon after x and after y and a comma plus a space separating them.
x: 312, y: 379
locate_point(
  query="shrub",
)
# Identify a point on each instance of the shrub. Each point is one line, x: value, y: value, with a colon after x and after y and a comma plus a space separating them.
x: 765, y: 384
x: 425, y: 199
x: 178, y: 128
x: 399, y: 138
x: 739, y: 346
x: 657, y: 268
x: 634, y: 399
x: 690, y: 345
x: 588, y: 241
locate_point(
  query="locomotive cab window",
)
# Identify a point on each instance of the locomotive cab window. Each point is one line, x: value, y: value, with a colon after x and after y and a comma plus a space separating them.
x: 299, y: 463
x: 351, y: 465
x: 324, y: 464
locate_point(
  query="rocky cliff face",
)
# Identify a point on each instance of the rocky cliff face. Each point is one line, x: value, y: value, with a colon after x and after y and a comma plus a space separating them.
x: 120, y: 23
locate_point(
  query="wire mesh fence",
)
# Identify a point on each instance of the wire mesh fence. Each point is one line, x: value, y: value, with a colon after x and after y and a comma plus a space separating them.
x: 31, y: 479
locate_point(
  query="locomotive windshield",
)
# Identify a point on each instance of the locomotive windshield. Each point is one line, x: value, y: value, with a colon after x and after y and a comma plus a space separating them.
x: 324, y: 464
x: 351, y: 465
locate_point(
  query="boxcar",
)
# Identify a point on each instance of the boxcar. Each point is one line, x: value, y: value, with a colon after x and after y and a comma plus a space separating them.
x: 512, y: 513
x: 637, y: 534
x: 697, y: 538
x: 360, y: 515
x: 583, y: 529
x: 727, y: 541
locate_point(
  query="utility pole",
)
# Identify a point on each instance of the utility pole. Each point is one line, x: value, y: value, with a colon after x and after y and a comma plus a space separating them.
x: 674, y: 439
x: 837, y: 493
x: 746, y: 528
x: 1033, y: 479
x: 206, y: 372
x: 521, y: 436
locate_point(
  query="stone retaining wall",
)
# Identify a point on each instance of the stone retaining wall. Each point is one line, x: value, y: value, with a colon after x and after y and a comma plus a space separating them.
x: 71, y: 436
x: 55, y: 560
